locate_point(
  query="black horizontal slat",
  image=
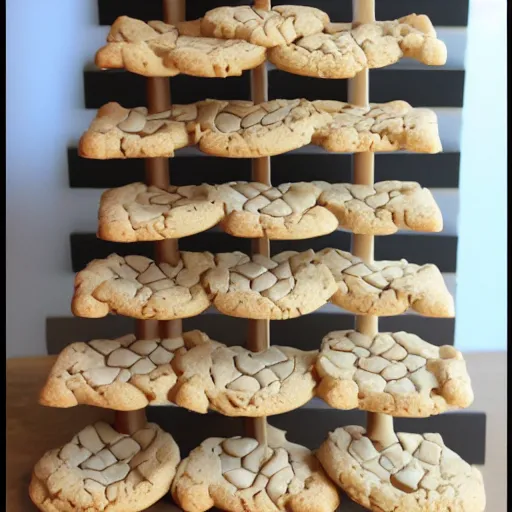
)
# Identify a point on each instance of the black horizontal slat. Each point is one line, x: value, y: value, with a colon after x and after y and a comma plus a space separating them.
x: 310, y: 427
x: 420, y: 249
x: 419, y: 87
x: 455, y: 15
x: 431, y: 87
x: 433, y: 171
x: 305, y: 332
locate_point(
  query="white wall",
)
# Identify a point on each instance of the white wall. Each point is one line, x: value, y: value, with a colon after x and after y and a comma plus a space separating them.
x: 482, y: 251
x: 42, y: 210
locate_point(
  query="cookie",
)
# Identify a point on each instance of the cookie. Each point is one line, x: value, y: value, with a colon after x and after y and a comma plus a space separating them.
x: 105, y: 471
x: 156, y: 49
x: 240, y: 475
x: 415, y: 473
x: 118, y: 132
x: 124, y: 374
x: 137, y: 287
x: 393, y: 373
x: 382, y: 208
x: 389, y: 126
x: 140, y: 213
x: 344, y: 49
x: 237, y: 382
x: 241, y: 129
x: 280, y: 26
x: 386, y: 288
x: 288, y: 285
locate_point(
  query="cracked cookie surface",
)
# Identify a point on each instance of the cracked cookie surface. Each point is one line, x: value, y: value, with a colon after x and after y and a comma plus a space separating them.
x: 290, y: 211
x: 285, y: 286
x: 414, y: 473
x: 386, y: 288
x: 124, y: 374
x: 156, y: 49
x: 342, y: 50
x: 392, y: 373
x: 191, y: 371
x: 103, y: 470
x: 237, y: 382
x: 239, y: 475
x: 241, y: 129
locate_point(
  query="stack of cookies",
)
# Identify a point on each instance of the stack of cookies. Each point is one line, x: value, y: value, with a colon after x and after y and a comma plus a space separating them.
x: 118, y: 468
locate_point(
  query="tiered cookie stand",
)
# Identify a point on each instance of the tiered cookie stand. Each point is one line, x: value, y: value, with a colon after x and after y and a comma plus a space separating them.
x: 132, y: 464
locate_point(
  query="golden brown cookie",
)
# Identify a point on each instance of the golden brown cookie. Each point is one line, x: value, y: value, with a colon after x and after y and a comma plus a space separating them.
x: 156, y: 49
x: 136, y: 286
x: 240, y: 475
x: 118, y: 132
x: 288, y: 285
x: 105, y: 471
x: 279, y: 26
x: 139, y: 213
x: 124, y: 374
x: 382, y: 208
x: 240, y: 129
x: 414, y: 473
x: 392, y: 373
x: 386, y: 288
x: 237, y: 382
x: 389, y: 126
x: 344, y: 49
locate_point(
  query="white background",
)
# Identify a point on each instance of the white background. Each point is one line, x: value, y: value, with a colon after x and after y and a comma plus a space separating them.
x: 48, y: 45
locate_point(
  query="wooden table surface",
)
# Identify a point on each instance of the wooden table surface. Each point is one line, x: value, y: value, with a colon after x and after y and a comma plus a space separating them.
x: 33, y: 429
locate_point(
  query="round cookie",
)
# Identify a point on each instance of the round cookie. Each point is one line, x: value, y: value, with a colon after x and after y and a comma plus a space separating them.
x: 141, y: 213
x: 285, y: 286
x: 237, y: 382
x: 240, y: 475
x: 415, y: 473
x: 105, y: 471
x: 392, y: 373
x: 280, y: 25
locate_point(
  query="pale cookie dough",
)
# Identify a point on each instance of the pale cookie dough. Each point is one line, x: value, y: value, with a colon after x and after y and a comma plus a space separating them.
x: 386, y: 288
x: 119, y: 132
x: 156, y: 49
x: 136, y: 286
x: 140, y: 213
x: 237, y: 382
x: 239, y: 475
x: 415, y: 473
x: 105, y: 471
x: 280, y: 26
x: 285, y: 286
x: 290, y: 211
x: 343, y: 50
x: 124, y: 374
x: 382, y: 208
x: 379, y: 127
x: 240, y: 129
x: 393, y: 373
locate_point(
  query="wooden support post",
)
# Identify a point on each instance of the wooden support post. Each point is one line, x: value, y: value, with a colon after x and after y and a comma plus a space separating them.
x: 259, y: 330
x: 157, y: 174
x: 379, y: 426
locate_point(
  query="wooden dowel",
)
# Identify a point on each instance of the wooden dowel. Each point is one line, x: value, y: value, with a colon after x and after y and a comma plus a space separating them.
x: 258, y: 338
x: 379, y: 426
x: 157, y: 174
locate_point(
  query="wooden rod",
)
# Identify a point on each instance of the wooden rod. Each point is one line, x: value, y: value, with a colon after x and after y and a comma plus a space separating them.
x: 379, y: 426
x: 157, y: 174
x: 259, y: 330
